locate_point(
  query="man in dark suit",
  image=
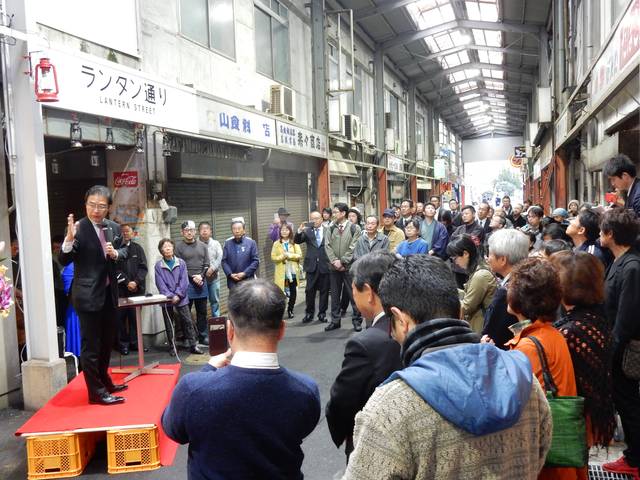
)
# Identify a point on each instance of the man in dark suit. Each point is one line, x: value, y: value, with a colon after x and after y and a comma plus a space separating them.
x: 621, y: 172
x: 94, y: 244
x: 316, y: 266
x: 131, y: 282
x: 369, y: 357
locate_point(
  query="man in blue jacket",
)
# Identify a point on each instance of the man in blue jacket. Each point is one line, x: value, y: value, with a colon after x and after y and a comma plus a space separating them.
x: 239, y: 255
x: 244, y: 415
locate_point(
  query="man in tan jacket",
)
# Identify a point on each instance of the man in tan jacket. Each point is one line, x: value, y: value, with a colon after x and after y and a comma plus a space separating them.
x: 342, y: 238
x: 396, y: 236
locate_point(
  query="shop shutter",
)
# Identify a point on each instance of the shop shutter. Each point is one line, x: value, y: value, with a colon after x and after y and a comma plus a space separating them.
x: 270, y: 195
x: 229, y: 200
x: 193, y: 200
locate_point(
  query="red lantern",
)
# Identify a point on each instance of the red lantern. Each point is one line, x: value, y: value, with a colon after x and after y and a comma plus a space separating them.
x: 46, y: 81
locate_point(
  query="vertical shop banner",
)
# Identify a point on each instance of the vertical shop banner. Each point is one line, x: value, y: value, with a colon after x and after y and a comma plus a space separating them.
x: 622, y: 49
x: 127, y: 180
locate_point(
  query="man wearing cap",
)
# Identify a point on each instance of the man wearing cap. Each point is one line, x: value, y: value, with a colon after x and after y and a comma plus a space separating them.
x: 279, y: 219
x: 239, y: 255
x: 196, y: 255
x: 396, y: 236
x: 560, y: 215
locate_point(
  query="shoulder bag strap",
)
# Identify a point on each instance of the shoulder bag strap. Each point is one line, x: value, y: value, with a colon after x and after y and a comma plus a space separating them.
x: 549, y: 384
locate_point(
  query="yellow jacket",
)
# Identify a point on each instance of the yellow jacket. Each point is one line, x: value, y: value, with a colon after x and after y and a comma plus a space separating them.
x: 279, y: 258
x: 396, y: 237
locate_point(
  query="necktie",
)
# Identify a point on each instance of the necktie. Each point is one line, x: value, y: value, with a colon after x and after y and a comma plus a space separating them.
x: 103, y: 240
x: 318, y: 241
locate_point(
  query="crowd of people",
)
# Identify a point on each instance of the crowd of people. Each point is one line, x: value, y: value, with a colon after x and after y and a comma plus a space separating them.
x: 471, y: 317
x: 472, y: 321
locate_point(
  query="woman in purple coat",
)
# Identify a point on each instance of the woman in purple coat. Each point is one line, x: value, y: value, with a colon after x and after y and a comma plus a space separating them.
x: 172, y: 281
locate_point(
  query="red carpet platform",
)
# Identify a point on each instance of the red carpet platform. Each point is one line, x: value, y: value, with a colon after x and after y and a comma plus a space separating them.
x: 70, y: 412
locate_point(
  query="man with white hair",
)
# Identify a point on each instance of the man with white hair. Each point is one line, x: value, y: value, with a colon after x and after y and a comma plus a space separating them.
x: 240, y: 258
x: 507, y: 248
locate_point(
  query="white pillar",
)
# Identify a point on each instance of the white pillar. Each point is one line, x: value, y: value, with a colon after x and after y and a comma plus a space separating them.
x: 44, y: 373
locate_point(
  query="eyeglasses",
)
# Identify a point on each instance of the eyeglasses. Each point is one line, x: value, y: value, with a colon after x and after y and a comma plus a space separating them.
x: 101, y: 207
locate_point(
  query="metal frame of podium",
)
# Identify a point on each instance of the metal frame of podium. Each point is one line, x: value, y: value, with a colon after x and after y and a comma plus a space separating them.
x: 141, y: 369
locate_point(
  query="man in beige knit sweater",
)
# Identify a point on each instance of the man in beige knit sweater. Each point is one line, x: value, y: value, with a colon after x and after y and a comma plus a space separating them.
x: 459, y: 409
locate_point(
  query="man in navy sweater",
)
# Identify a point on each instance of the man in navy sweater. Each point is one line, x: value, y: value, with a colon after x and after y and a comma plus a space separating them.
x: 243, y: 415
x: 240, y: 258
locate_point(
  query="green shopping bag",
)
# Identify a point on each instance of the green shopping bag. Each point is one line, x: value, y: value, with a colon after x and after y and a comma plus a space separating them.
x: 569, y: 439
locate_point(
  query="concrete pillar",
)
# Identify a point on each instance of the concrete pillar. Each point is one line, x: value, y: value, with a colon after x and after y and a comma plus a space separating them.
x: 413, y: 188
x: 318, y: 65
x: 411, y: 128
x: 378, y: 89
x: 382, y: 190
x: 42, y: 374
x: 323, y: 184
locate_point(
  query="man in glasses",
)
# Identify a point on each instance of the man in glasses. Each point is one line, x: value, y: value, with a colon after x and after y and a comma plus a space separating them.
x: 94, y: 244
x: 369, y: 357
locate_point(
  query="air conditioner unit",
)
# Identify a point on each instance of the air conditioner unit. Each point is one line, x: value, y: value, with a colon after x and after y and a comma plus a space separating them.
x: 389, y: 139
x: 419, y: 152
x: 282, y: 101
x: 351, y: 127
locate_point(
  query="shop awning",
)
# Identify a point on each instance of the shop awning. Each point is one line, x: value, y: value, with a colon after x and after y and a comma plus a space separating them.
x: 336, y: 167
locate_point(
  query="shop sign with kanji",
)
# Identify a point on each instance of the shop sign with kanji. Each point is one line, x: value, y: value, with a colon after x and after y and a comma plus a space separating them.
x: 298, y: 139
x: 223, y: 120
x: 92, y: 85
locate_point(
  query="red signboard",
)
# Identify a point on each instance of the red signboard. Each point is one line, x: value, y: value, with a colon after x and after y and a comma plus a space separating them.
x: 125, y: 179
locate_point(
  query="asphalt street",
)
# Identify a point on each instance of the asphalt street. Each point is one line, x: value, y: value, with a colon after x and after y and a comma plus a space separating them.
x: 305, y: 348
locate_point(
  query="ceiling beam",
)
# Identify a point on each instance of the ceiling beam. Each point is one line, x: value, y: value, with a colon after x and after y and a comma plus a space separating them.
x: 450, y: 86
x: 452, y: 99
x: 451, y: 94
x: 420, y: 78
x: 512, y: 119
x: 385, y: 7
x: 417, y: 59
x: 406, y: 38
x: 483, y: 98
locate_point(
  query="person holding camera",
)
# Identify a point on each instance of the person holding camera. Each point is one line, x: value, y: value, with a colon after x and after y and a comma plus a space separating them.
x: 196, y: 256
x: 280, y: 219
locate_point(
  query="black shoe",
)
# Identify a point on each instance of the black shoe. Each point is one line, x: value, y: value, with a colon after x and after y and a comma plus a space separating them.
x: 322, y: 318
x: 106, y: 399
x: 197, y: 350
x: 357, y: 326
x: 117, y: 388
x: 331, y: 326
x: 290, y: 314
x: 204, y: 341
x: 307, y: 319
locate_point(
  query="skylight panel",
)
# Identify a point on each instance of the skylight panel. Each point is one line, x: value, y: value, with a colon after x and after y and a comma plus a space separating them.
x: 497, y: 74
x: 444, y: 42
x: 470, y: 105
x: 469, y: 96
x: 496, y: 58
x: 455, y: 59
x: 482, y: 10
x: 465, y: 87
x: 427, y: 13
x: 489, y: 38
x: 493, y: 85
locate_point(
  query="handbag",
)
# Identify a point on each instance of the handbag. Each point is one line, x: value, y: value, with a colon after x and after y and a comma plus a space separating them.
x: 631, y: 360
x: 569, y: 437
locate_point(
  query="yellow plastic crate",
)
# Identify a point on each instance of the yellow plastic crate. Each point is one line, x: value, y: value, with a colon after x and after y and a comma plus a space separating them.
x: 133, y: 450
x: 59, y: 456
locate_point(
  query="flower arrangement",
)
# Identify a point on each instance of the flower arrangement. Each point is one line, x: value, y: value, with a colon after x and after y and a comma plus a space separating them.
x: 6, y: 290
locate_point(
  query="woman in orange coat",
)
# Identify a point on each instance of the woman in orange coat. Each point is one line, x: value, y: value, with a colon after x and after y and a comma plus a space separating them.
x: 534, y: 296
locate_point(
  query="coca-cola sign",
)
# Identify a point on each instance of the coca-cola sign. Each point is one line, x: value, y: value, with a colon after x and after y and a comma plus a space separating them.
x: 125, y: 179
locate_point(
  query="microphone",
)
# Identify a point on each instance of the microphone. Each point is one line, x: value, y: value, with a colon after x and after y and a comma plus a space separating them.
x: 108, y: 232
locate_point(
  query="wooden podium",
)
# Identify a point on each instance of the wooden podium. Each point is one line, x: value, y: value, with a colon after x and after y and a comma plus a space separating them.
x: 142, y: 369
